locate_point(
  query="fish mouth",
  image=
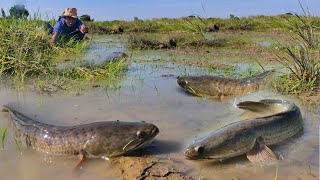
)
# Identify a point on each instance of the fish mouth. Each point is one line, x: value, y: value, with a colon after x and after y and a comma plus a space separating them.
x: 186, y: 86
x: 148, y: 140
x: 189, y: 156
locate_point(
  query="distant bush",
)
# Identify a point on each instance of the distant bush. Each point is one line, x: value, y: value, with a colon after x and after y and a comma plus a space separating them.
x: 18, y: 11
x: 85, y: 17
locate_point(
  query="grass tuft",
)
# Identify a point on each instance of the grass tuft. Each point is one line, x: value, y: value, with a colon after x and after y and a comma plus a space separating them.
x: 301, y: 60
x: 3, y: 136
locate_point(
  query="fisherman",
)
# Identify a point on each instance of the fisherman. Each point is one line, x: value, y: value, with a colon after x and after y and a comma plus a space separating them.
x: 68, y: 26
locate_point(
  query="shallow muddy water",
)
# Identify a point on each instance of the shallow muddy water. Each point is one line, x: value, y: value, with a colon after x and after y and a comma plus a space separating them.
x: 149, y: 92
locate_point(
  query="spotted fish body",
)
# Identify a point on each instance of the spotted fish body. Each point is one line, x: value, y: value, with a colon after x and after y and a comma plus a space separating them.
x: 107, y: 138
x: 216, y: 86
x: 241, y: 137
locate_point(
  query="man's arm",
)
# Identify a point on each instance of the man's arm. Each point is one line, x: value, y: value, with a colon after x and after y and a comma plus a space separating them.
x: 53, y: 38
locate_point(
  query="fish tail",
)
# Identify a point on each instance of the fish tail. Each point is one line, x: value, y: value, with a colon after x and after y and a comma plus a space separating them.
x: 17, y: 116
x: 266, y: 74
x: 262, y: 76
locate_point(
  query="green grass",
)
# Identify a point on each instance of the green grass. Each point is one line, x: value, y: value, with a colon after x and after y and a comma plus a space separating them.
x: 277, y: 170
x: 24, y: 48
x: 182, y: 39
x: 302, y: 60
x: 26, y: 56
x: 107, y: 70
x: 17, y: 144
x: 3, y: 136
x: 197, y: 24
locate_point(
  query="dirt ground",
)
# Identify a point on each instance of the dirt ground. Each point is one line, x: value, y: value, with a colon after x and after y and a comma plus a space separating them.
x: 148, y: 168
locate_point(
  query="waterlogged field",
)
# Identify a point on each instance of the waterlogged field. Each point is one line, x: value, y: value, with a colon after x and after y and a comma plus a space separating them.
x: 147, y: 91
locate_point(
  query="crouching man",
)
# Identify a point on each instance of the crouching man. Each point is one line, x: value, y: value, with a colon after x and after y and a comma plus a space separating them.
x: 68, y: 26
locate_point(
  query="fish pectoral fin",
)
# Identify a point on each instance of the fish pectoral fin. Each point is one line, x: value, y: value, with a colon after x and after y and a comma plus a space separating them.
x: 83, y: 159
x: 262, y: 155
x: 220, y: 97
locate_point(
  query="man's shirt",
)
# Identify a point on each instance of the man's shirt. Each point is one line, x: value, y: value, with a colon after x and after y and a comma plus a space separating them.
x: 63, y: 29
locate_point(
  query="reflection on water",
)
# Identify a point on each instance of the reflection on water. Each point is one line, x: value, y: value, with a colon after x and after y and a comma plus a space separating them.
x: 181, y: 118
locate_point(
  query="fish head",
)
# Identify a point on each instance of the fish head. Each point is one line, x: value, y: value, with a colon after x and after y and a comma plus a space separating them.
x: 224, y: 143
x: 190, y: 84
x: 219, y: 145
x: 196, y: 151
x: 182, y: 81
x: 143, y: 136
x: 134, y: 135
x: 209, y: 150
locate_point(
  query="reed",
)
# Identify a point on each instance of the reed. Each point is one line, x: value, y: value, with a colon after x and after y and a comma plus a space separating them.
x: 302, y: 60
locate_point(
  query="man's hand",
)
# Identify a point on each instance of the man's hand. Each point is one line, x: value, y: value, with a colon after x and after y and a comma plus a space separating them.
x: 51, y: 42
x: 53, y: 39
x: 83, y: 29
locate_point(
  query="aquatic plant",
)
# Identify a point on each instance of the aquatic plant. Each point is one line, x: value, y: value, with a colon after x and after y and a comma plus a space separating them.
x: 277, y: 171
x: 110, y: 70
x: 17, y: 143
x: 3, y: 136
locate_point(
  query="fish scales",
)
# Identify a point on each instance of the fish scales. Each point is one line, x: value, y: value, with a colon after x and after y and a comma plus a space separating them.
x: 106, y: 138
x: 216, y: 86
x: 240, y: 137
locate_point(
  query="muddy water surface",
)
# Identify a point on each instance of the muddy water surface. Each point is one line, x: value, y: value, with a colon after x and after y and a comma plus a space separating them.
x: 149, y: 92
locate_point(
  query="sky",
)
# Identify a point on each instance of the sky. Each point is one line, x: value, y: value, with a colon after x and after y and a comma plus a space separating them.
x: 106, y: 10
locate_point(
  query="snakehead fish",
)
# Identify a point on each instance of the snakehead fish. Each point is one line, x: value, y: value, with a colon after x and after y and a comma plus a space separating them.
x: 98, y: 139
x: 216, y: 86
x: 251, y: 136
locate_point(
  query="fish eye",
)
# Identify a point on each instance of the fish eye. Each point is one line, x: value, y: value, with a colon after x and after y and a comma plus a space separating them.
x: 141, y: 134
x: 199, y: 149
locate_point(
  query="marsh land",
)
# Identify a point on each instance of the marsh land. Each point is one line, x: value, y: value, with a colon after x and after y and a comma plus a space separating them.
x: 93, y: 81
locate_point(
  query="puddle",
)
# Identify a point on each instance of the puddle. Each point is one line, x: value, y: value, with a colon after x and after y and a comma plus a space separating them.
x: 146, y: 95
x: 99, y: 51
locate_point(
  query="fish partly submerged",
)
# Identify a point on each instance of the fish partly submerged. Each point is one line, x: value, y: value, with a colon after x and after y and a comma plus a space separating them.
x: 252, y: 136
x: 216, y: 86
x: 93, y: 140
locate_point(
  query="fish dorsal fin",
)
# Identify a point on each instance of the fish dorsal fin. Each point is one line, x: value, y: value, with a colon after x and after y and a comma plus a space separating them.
x: 262, y: 155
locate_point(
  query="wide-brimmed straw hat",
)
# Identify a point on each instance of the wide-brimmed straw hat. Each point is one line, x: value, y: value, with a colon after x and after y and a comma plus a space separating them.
x: 70, y: 12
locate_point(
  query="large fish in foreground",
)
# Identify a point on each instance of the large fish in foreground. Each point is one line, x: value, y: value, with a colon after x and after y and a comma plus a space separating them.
x: 251, y: 136
x: 99, y: 139
x: 216, y: 86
